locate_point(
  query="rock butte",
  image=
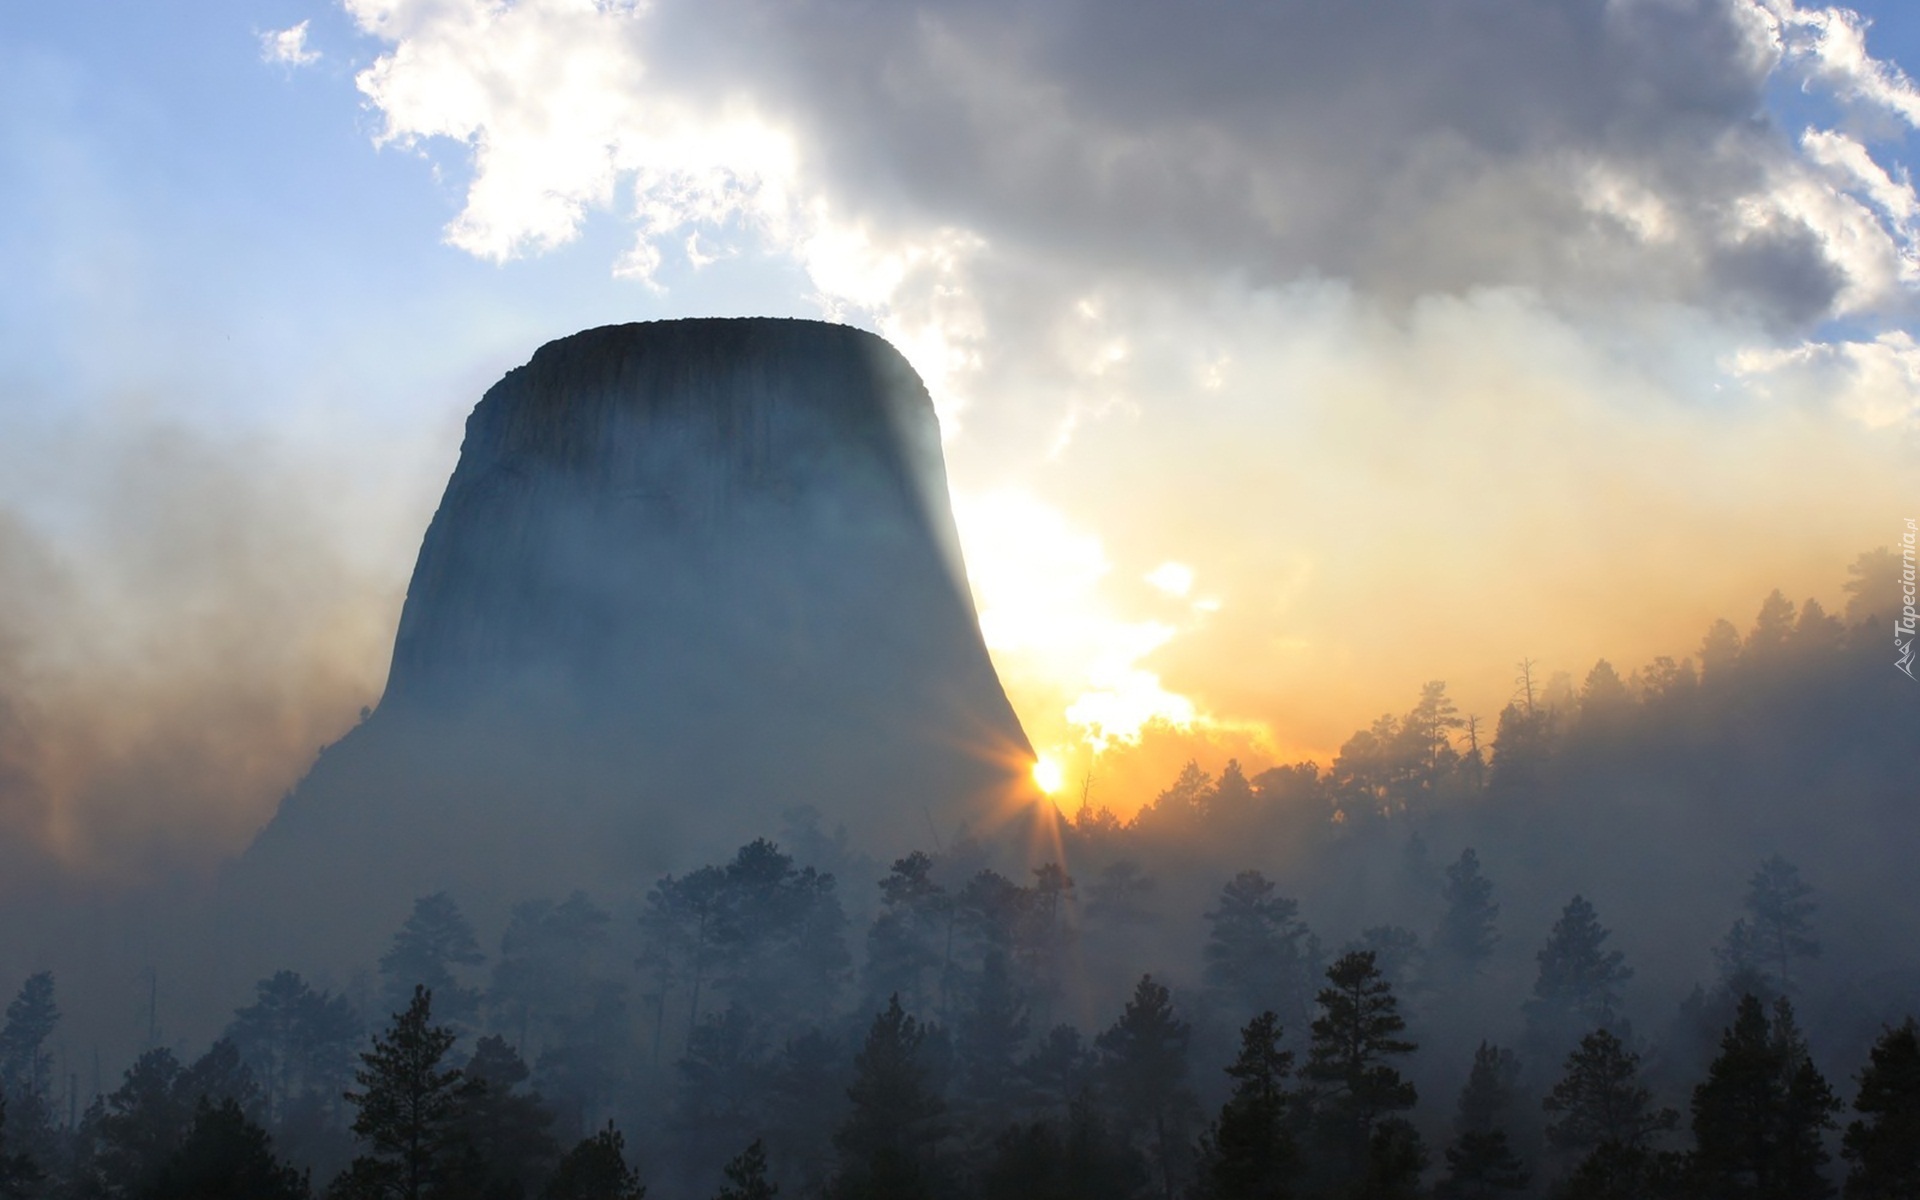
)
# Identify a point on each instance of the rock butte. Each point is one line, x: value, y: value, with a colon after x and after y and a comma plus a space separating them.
x: 687, y: 577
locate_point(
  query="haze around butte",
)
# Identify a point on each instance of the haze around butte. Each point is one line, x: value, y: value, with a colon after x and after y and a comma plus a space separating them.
x: 1287, y: 358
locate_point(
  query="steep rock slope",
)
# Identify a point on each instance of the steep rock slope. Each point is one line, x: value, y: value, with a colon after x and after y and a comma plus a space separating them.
x: 687, y: 577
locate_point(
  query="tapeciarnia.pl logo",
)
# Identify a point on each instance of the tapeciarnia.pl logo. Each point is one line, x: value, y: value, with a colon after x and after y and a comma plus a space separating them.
x: 1904, y: 624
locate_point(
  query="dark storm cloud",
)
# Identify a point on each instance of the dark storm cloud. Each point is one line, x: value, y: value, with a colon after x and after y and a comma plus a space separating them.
x: 1410, y: 147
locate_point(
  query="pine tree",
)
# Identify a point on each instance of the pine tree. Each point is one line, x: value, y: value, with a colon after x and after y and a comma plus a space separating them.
x: 1044, y: 1160
x: 806, y: 1101
x: 1232, y: 796
x: 1358, y: 1092
x: 1760, y: 1115
x: 1616, y: 1172
x: 1579, y: 981
x: 1253, y: 950
x: 406, y: 1106
x: 1045, y: 936
x: 1143, y: 1060
x: 548, y: 967
x: 989, y: 1035
x: 499, y: 1135
x: 1481, y: 1164
x: 907, y: 943
x: 1466, y: 936
x: 1398, y: 955
x: 1427, y: 733
x: 721, y: 1086
x: 1059, y: 1069
x: 781, y: 935
x: 297, y: 1042
x: 680, y: 929
x: 225, y: 1156
x: 1742, y: 967
x: 18, y: 1173
x: 130, y: 1135
x: 140, y: 1125
x: 1249, y: 1152
x: 887, y: 1141
x: 427, y: 950
x: 1883, y: 1144
x: 747, y: 1176
x: 1782, y: 920
x: 1600, y: 1100
x: 25, y: 1066
x: 596, y: 1169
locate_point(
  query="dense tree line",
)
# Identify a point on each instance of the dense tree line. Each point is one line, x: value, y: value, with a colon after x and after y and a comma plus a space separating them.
x: 431, y: 1118
x: 1149, y: 1015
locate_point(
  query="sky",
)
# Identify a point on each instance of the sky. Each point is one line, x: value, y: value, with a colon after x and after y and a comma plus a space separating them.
x: 1288, y: 355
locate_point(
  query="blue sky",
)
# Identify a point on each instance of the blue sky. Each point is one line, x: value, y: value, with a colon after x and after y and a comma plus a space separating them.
x: 1237, y: 320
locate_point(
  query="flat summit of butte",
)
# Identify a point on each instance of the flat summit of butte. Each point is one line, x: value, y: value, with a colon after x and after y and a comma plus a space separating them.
x: 687, y: 577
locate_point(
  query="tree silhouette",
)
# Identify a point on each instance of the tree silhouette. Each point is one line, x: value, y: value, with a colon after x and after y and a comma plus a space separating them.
x: 805, y: 1104
x: 429, y: 947
x: 596, y: 1169
x: 1466, y: 936
x: 1600, y: 1100
x: 1782, y: 920
x: 907, y: 944
x: 499, y: 1137
x: 1143, y: 1060
x: 1883, y: 1144
x: 1075, y: 1159
x: 886, y: 1144
x: 225, y: 1156
x: 1760, y: 1116
x: 681, y: 932
x: 1481, y: 1164
x: 746, y: 1176
x: 781, y: 935
x: 296, y: 1041
x: 1522, y: 745
x: 133, y: 1132
x: 722, y: 1081
x: 1249, y: 1153
x: 406, y: 1107
x: 1579, y: 980
x: 18, y: 1173
x: 989, y: 1035
x: 545, y: 975
x: 25, y: 1066
x: 1358, y: 1093
x: 1253, y: 950
x: 1059, y: 1069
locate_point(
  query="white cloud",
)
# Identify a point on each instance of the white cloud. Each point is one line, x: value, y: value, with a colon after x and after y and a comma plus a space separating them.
x: 911, y: 159
x: 1876, y: 383
x: 288, y: 47
x: 1833, y: 44
x: 1338, y: 258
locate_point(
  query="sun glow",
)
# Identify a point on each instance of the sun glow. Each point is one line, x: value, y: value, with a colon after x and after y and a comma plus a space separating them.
x: 1048, y: 775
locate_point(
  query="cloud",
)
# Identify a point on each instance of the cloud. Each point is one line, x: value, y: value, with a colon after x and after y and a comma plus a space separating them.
x: 1832, y: 43
x: 1594, y: 148
x: 1339, y: 304
x: 1876, y: 383
x: 288, y: 47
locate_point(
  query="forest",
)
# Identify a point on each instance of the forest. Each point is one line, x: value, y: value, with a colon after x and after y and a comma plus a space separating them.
x: 1650, y: 936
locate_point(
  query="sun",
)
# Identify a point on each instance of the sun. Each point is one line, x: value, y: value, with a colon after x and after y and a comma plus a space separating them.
x: 1048, y: 776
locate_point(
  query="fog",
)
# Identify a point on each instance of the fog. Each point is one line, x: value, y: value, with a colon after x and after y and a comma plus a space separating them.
x: 1658, y: 793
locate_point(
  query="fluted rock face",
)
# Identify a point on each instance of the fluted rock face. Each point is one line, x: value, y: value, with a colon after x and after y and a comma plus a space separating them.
x: 644, y: 509
x: 687, y: 576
